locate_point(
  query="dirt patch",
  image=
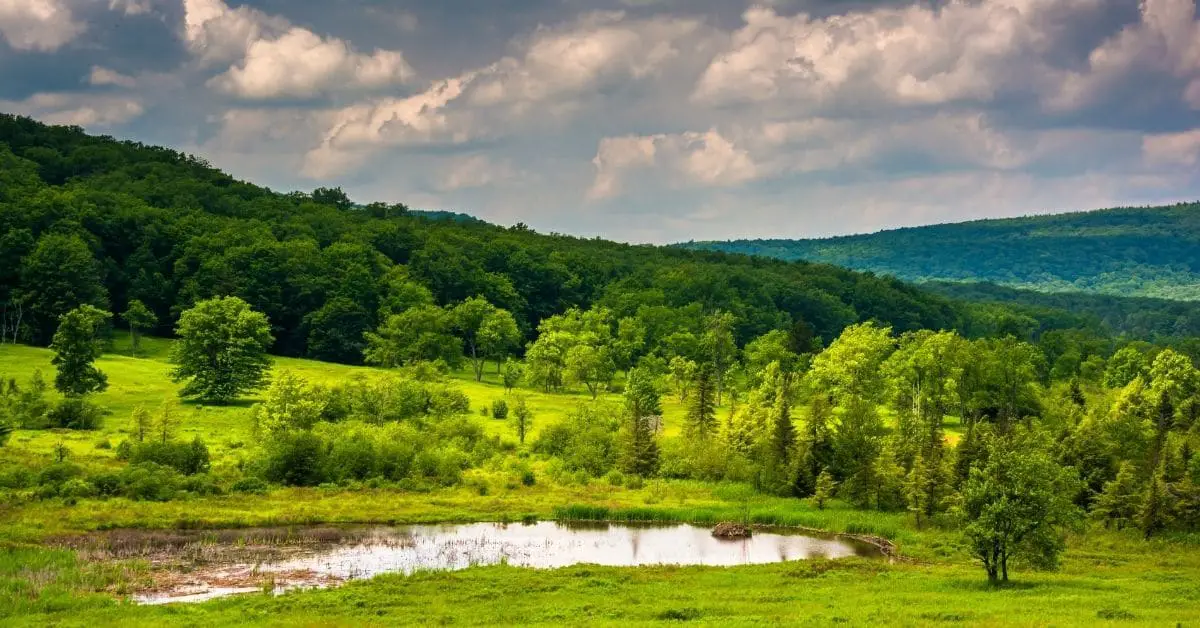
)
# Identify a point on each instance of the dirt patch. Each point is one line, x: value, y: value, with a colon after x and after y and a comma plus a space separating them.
x: 729, y: 530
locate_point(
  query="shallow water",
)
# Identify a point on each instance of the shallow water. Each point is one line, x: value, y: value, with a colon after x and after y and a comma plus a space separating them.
x: 203, y: 569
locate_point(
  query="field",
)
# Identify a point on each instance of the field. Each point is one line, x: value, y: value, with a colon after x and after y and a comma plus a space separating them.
x: 1106, y: 577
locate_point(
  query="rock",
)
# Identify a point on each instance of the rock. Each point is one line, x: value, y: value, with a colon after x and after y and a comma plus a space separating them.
x: 728, y: 530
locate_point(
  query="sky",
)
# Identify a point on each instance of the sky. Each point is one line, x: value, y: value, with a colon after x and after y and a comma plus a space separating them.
x: 643, y: 120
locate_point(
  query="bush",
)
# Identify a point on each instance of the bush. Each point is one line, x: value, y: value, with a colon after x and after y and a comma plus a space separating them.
x: 446, y: 401
x: 75, y: 413
x: 149, y: 482
x: 186, y: 458
x: 58, y: 473
x: 352, y: 457
x: 296, y: 460
x: 250, y: 485
x: 18, y: 478
x: 500, y: 409
x: 615, y: 478
x: 77, y: 488
x: 201, y: 484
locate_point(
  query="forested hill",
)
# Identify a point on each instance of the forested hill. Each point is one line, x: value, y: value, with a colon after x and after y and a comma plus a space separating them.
x: 87, y: 219
x: 1150, y: 252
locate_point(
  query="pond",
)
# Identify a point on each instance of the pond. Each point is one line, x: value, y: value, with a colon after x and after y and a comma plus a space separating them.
x: 203, y: 565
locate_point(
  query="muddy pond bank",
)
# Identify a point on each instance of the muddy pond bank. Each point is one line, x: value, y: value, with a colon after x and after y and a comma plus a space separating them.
x: 191, y: 566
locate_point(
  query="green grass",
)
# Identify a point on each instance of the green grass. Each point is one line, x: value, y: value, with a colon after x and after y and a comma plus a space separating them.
x: 1106, y: 578
x: 144, y: 381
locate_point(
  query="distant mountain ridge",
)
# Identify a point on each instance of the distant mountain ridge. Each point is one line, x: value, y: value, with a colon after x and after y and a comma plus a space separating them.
x: 1144, y: 252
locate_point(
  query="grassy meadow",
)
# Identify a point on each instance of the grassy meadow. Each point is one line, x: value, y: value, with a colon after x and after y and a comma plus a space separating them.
x: 1107, y: 578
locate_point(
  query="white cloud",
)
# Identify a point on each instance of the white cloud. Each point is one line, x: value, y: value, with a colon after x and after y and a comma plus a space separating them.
x: 38, y: 25
x: 353, y: 132
x: 705, y: 159
x: 275, y: 59
x: 82, y: 109
x: 104, y: 76
x: 131, y: 7
x: 1172, y: 149
x: 299, y: 63
x: 555, y: 73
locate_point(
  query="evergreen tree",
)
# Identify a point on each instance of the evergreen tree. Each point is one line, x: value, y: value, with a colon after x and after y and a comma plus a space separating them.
x: 916, y: 489
x: 1121, y: 501
x: 701, y: 420
x: 76, y: 346
x: 1153, y: 516
x: 639, y: 453
x: 142, y: 423
x: 824, y: 489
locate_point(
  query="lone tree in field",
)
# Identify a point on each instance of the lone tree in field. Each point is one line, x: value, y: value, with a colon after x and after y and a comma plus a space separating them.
x: 522, y: 419
x: 76, y: 348
x: 1017, y: 503
x: 139, y: 318
x: 222, y: 350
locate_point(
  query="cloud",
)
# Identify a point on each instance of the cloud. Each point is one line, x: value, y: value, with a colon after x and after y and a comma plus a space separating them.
x: 38, y: 25
x: 104, y: 76
x: 301, y: 64
x: 275, y: 59
x: 131, y: 7
x: 553, y: 75
x: 476, y: 171
x: 1165, y: 42
x: 1173, y: 149
x: 81, y: 109
x: 644, y: 119
x: 705, y: 159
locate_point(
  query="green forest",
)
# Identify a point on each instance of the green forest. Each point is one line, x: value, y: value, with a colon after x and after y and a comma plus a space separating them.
x: 183, y: 352
x: 1128, y: 251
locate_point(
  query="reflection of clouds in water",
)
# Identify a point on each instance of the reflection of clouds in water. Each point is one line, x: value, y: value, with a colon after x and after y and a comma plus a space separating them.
x: 540, y: 545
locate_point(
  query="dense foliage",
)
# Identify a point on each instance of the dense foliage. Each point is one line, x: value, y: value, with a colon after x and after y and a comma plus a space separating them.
x: 1149, y: 252
x: 90, y: 220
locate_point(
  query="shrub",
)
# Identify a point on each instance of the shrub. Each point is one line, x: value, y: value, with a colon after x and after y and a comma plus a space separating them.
x: 186, y: 458
x: 75, y: 413
x: 201, y: 484
x: 296, y: 459
x: 352, y: 457
x: 500, y: 409
x: 249, y: 485
x: 58, y: 473
x: 149, y: 482
x: 18, y: 478
x: 107, y: 483
x: 445, y: 401
x: 77, y: 488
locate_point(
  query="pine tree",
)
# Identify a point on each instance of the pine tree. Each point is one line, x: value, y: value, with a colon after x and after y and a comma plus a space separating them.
x: 701, y: 419
x: 824, y: 489
x: 1153, y: 515
x: 142, y: 423
x: 167, y: 423
x: 916, y: 489
x: 1121, y: 500
x: 639, y: 453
